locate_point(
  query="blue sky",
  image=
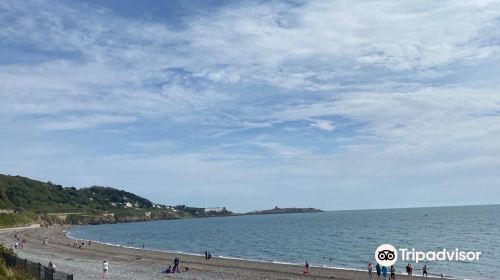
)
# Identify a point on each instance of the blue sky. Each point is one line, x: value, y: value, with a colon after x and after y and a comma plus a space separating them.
x: 248, y: 105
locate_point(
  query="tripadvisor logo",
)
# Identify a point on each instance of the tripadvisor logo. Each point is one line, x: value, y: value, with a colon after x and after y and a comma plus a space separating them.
x: 387, y: 255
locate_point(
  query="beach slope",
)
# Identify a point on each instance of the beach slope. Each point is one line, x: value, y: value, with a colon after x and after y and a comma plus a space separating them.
x: 138, y: 264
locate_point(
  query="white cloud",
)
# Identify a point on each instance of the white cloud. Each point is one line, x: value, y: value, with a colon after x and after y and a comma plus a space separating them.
x: 286, y: 45
x: 428, y: 115
x: 320, y: 45
x: 324, y: 125
x: 80, y: 122
x: 411, y: 88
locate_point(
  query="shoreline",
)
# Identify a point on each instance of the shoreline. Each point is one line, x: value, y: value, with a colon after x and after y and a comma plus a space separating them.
x: 298, y: 265
x: 183, y: 253
x: 128, y: 262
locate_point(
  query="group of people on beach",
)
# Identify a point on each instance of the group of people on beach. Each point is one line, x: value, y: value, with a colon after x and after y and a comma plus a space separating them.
x: 80, y: 245
x: 18, y: 244
x: 382, y: 271
x: 409, y: 270
x: 175, y: 268
x: 208, y: 255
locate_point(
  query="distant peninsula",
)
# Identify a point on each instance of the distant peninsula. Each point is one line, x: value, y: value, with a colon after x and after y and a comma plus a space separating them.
x: 277, y: 210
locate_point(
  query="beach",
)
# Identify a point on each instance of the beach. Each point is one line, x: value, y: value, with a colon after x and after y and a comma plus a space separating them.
x: 138, y: 264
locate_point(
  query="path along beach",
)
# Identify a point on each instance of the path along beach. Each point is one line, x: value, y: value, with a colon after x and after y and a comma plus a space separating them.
x: 139, y: 264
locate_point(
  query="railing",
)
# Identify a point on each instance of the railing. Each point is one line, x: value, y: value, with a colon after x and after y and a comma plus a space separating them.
x: 37, y: 270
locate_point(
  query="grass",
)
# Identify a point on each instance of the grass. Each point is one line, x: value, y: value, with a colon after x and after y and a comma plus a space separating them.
x: 16, y: 219
x: 7, y: 273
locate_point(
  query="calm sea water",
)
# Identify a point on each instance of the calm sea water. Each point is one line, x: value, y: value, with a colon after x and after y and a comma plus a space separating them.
x: 344, y: 239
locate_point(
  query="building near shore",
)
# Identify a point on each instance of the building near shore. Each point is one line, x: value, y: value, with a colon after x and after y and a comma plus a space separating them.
x: 214, y: 209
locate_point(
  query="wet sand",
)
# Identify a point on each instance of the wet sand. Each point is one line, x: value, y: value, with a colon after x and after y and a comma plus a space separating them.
x: 137, y: 264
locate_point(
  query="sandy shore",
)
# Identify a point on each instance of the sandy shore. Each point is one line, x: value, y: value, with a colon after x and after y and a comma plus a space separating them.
x: 135, y: 264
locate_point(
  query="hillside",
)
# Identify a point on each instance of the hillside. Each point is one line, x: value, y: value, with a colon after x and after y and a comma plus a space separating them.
x: 46, y: 197
x: 47, y: 203
x: 277, y: 210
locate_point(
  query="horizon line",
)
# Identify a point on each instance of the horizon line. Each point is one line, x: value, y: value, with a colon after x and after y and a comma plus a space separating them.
x: 414, y: 207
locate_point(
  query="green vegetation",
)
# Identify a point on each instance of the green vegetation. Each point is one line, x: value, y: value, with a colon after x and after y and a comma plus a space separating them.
x: 277, y: 210
x: 200, y: 212
x: 16, y: 219
x: 8, y: 273
x: 41, y: 197
x: 48, y: 203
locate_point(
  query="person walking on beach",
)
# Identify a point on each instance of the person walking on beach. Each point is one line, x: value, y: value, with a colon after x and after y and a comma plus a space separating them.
x: 425, y: 270
x: 307, y: 270
x: 206, y: 255
x: 411, y: 270
x: 377, y: 268
x: 384, y: 272
x: 105, y: 267
x: 370, y: 268
x: 393, y: 273
x: 176, y: 265
x: 52, y: 267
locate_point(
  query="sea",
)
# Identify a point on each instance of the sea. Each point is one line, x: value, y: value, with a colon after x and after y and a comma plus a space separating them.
x: 337, y: 239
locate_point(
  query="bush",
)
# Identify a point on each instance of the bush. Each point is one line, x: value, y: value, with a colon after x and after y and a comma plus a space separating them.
x: 8, y: 273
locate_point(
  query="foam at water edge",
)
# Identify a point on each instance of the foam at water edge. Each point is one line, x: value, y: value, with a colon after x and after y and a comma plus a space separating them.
x: 68, y: 235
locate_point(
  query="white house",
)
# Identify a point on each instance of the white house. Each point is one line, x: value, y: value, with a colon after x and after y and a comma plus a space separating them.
x: 214, y: 209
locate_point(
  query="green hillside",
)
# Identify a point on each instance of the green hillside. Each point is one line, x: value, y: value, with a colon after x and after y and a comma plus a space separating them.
x: 47, y: 203
x: 277, y: 210
x: 45, y: 197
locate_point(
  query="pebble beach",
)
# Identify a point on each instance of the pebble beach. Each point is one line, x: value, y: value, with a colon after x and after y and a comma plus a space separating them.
x: 139, y: 264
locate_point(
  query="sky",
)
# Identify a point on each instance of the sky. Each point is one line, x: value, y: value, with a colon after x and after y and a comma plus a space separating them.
x: 256, y: 104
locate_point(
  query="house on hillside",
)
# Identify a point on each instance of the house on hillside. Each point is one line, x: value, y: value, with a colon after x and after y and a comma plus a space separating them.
x: 214, y: 209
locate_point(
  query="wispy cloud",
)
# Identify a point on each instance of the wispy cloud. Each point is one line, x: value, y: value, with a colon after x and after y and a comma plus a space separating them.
x: 267, y: 96
x: 324, y: 125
